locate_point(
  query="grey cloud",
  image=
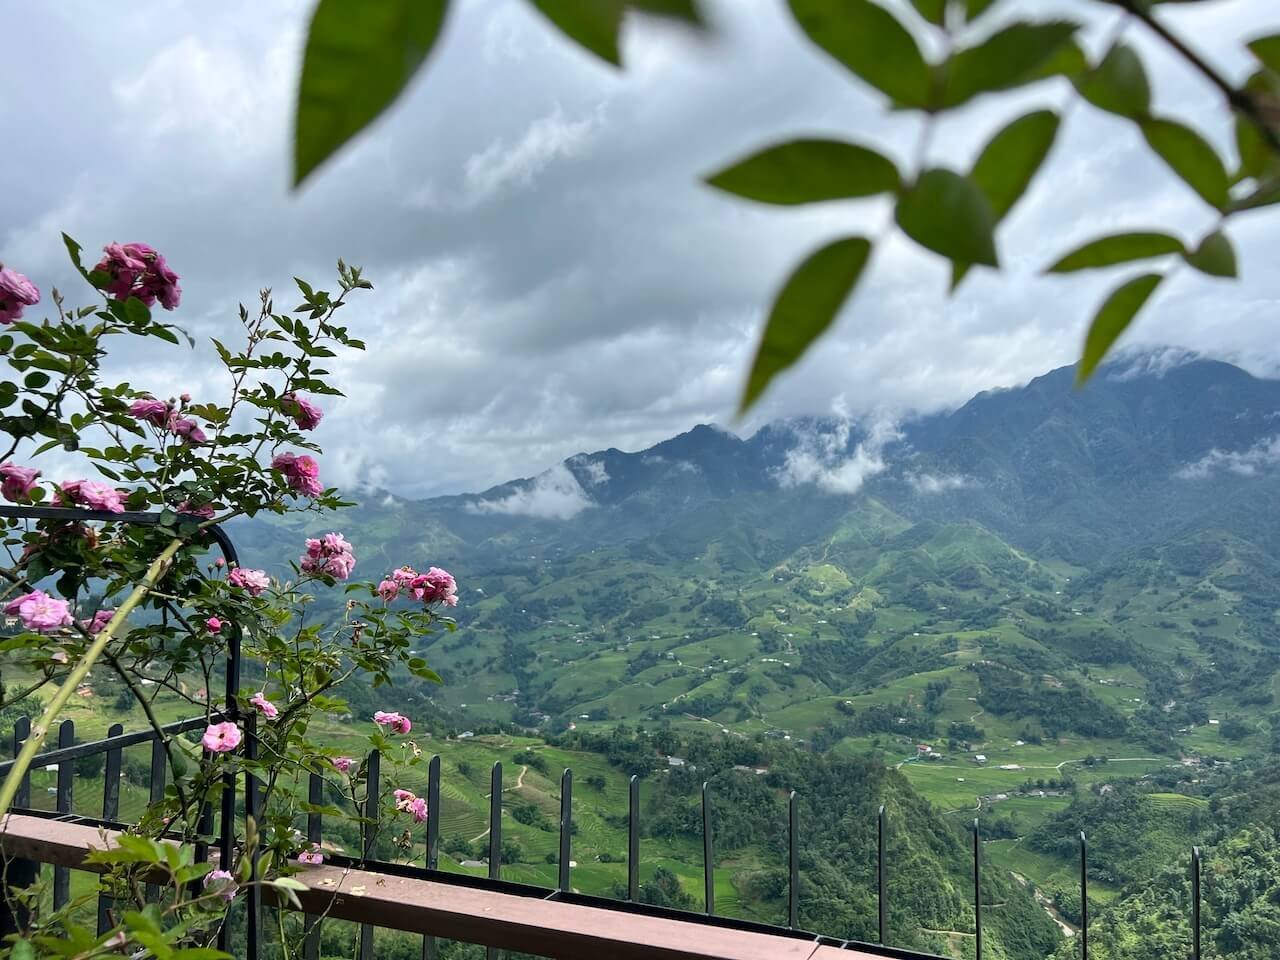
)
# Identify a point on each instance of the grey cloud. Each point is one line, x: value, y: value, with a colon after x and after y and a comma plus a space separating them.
x: 551, y: 277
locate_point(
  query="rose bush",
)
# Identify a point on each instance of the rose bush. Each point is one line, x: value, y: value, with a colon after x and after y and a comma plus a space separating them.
x: 146, y: 603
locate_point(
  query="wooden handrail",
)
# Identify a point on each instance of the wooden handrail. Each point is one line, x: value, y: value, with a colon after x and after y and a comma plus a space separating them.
x: 551, y: 928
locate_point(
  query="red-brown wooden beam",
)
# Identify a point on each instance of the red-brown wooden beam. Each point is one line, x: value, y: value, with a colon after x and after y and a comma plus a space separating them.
x: 569, y: 931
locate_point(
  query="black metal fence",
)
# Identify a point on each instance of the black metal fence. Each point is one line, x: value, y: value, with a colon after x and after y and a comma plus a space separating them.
x: 67, y: 752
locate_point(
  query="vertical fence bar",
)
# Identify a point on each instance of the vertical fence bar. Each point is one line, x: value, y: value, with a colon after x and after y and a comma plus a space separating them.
x: 253, y: 903
x: 882, y: 886
x: 22, y: 730
x: 495, y: 834
x: 433, y: 838
x: 369, y: 837
x: 633, y: 838
x: 158, y: 759
x: 566, y: 828
x: 315, y: 797
x: 1195, y: 903
x: 977, y: 890
x: 66, y: 775
x: 110, y: 811
x: 1084, y: 897
x: 495, y: 821
x: 793, y: 862
x: 17, y: 873
x: 708, y: 853
x: 231, y: 707
x: 433, y: 808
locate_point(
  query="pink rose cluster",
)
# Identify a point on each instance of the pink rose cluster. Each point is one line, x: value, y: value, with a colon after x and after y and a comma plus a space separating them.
x: 254, y: 581
x: 301, y: 472
x: 395, y: 722
x: 99, y: 621
x: 16, y: 293
x: 434, y: 586
x: 40, y: 612
x: 409, y: 802
x: 343, y: 764
x: 305, y: 413
x: 331, y: 555
x: 160, y: 414
x: 16, y: 483
x: 222, y: 883
x: 136, y: 270
x: 92, y: 494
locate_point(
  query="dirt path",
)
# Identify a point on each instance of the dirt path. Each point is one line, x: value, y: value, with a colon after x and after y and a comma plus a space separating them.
x: 1109, y: 760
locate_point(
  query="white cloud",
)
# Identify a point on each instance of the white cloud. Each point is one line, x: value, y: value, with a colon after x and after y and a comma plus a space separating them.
x: 821, y: 456
x: 547, y: 139
x: 1245, y: 463
x: 552, y: 495
x: 595, y: 470
x: 931, y: 483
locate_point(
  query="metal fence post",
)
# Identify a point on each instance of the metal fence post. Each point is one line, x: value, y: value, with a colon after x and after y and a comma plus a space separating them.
x: 369, y: 836
x: 566, y: 828
x: 17, y: 873
x: 977, y: 890
x: 66, y: 775
x: 882, y: 886
x: 1084, y: 897
x: 793, y: 862
x: 110, y: 811
x: 433, y: 838
x: 315, y: 797
x: 708, y: 854
x: 1195, y: 903
x: 158, y: 761
x: 633, y: 838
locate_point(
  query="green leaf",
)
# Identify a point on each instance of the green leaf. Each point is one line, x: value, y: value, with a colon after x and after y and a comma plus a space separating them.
x: 1118, y: 248
x: 358, y: 59
x: 1267, y: 50
x: 804, y: 309
x: 1118, y: 84
x: 683, y: 10
x: 1191, y: 157
x: 594, y: 26
x: 1008, y: 58
x: 1215, y: 256
x: 136, y: 312
x: 870, y: 41
x: 948, y: 214
x: 1115, y: 315
x: 1007, y: 165
x: 935, y: 11
x: 807, y: 171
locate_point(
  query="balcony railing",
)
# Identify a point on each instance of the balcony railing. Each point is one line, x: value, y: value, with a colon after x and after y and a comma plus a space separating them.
x: 422, y: 899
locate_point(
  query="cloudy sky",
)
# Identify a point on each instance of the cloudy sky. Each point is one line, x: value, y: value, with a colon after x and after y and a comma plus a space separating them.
x: 551, y: 277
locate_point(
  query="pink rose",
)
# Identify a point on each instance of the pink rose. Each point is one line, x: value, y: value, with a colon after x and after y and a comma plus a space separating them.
x: 305, y: 413
x: 311, y: 857
x: 213, y: 625
x: 16, y: 293
x: 343, y: 764
x: 254, y: 581
x: 419, y: 810
x: 393, y: 721
x: 16, y: 483
x: 221, y: 737
x: 153, y: 411
x: 204, y: 511
x: 94, y: 495
x: 222, y: 883
x: 301, y: 472
x: 136, y: 270
x: 388, y: 590
x: 403, y: 575
x: 100, y: 619
x: 331, y: 555
x: 435, y: 586
x: 220, y: 563
x: 40, y: 612
x: 264, y: 706
x: 188, y: 430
